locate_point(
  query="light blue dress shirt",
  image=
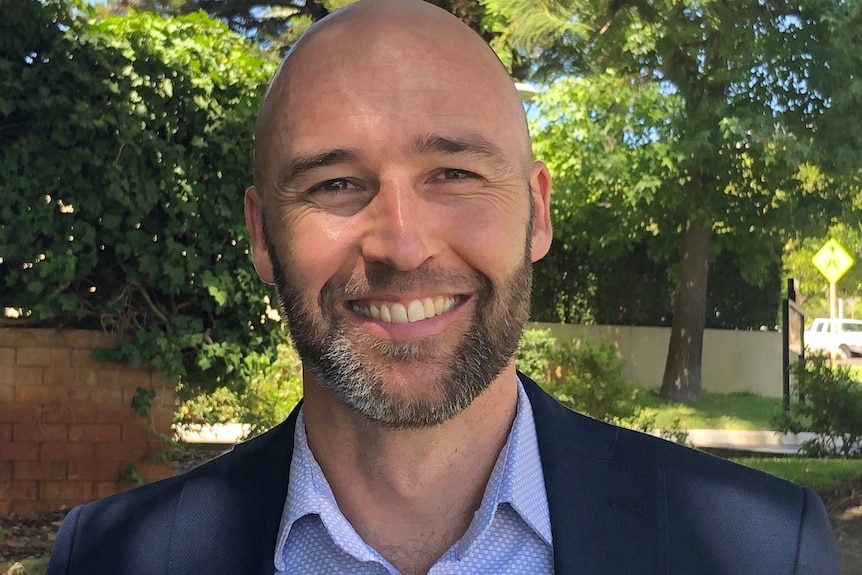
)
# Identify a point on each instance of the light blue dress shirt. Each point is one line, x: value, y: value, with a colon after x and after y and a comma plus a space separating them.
x: 510, y: 532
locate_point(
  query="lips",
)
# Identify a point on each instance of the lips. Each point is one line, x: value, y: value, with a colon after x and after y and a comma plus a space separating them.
x: 413, y: 311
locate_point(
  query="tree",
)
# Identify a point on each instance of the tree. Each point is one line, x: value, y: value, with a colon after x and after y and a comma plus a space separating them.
x: 765, y: 94
x: 608, y: 142
x: 127, y: 144
x: 277, y: 24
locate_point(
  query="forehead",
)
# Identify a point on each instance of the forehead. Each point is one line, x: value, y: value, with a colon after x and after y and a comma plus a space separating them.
x: 385, y: 90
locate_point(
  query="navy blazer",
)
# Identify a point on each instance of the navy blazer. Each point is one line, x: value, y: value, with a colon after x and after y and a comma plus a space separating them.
x: 620, y: 502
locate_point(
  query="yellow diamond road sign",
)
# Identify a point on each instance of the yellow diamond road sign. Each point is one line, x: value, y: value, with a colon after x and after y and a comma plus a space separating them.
x: 832, y: 260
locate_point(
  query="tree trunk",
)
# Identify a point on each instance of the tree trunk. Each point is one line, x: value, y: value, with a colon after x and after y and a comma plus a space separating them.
x: 682, y: 380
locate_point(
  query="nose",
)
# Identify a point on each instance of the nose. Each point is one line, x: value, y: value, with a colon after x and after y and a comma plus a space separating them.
x: 397, y: 232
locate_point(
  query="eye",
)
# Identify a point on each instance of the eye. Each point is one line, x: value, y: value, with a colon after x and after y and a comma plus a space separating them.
x: 449, y: 174
x: 331, y: 187
x: 340, y: 195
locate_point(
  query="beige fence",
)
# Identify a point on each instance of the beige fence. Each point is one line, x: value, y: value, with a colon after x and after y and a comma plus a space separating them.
x: 732, y: 360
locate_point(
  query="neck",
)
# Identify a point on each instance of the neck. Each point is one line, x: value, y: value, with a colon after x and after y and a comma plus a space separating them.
x: 410, y: 493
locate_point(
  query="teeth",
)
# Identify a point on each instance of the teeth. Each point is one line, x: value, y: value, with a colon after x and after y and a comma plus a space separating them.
x: 416, y: 310
x: 399, y: 313
x: 439, y: 305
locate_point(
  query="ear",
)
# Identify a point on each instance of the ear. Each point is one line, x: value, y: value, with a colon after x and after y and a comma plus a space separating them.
x: 254, y: 222
x: 540, y: 188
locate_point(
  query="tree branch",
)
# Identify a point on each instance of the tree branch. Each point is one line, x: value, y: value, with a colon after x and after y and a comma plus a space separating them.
x: 153, y: 307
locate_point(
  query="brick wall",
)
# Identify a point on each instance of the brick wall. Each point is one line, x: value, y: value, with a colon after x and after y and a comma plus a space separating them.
x: 67, y: 431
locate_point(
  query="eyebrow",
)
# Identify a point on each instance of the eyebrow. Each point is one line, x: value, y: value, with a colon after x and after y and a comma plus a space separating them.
x: 303, y: 164
x: 473, y: 144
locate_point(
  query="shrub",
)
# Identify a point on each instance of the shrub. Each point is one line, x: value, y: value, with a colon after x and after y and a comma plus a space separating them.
x: 831, y: 409
x: 591, y: 380
x: 262, y: 402
x: 535, y: 348
x: 126, y: 146
x: 270, y: 395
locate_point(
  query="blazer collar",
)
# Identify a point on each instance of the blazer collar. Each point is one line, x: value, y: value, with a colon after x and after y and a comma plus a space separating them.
x: 607, y: 516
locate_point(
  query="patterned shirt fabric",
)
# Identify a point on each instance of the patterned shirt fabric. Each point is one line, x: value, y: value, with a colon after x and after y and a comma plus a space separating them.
x: 510, y: 532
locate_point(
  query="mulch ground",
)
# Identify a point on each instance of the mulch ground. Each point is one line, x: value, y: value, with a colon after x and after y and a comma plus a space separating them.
x: 33, y: 535
x: 23, y: 536
x: 845, y: 511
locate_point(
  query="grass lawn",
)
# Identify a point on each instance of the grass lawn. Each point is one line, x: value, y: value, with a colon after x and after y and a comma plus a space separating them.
x: 818, y: 474
x: 745, y: 411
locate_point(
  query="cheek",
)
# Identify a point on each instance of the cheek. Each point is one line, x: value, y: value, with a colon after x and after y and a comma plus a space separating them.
x: 314, y: 250
x: 492, y: 241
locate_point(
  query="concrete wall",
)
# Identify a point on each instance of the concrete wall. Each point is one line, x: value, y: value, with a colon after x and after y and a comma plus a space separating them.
x: 732, y: 360
x: 67, y: 429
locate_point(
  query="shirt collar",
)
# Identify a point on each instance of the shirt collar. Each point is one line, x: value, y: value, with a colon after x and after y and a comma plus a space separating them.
x: 524, y: 484
x: 517, y: 479
x: 309, y: 493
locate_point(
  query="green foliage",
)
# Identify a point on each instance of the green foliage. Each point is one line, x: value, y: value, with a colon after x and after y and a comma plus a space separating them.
x: 130, y: 474
x: 127, y: 145
x: 721, y: 119
x: 608, y: 141
x: 592, y: 380
x: 277, y: 24
x: 196, y: 407
x: 614, y: 148
x: 142, y: 401
x: 534, y: 352
x: 271, y: 395
x: 832, y: 409
x: 588, y: 378
x: 263, y: 402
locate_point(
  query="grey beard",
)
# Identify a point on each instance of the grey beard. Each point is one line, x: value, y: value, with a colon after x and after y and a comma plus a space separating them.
x: 336, y: 363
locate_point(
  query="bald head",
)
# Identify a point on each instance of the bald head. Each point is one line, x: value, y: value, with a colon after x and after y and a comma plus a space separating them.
x: 406, y: 59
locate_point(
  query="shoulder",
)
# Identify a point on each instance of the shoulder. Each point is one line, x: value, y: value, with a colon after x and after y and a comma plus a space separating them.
x: 603, y: 441
x: 696, y: 501
x: 128, y: 532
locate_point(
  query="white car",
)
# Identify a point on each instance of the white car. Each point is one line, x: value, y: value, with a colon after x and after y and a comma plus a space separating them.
x: 844, y: 339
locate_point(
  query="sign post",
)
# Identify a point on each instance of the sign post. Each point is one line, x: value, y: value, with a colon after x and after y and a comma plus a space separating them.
x: 833, y: 261
x: 793, y: 325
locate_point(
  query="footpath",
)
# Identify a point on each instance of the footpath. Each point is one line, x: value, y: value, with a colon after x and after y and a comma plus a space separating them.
x: 717, y: 440
x: 761, y: 442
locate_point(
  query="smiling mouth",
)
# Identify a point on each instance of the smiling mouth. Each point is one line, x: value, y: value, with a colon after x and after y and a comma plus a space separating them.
x: 413, y: 311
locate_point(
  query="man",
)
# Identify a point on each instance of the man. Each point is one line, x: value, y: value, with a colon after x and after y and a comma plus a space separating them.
x: 398, y: 210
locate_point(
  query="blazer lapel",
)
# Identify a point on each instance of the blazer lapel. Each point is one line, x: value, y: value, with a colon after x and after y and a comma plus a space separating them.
x: 607, y: 516
x: 227, y: 521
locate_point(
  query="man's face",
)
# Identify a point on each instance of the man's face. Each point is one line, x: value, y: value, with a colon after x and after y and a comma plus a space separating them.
x: 395, y: 219
x: 362, y: 369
